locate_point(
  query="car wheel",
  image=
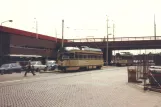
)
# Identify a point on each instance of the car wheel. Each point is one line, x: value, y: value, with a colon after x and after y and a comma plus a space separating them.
x: 37, y: 70
x: 2, y: 72
x: 53, y: 68
x: 10, y: 72
x: 46, y: 68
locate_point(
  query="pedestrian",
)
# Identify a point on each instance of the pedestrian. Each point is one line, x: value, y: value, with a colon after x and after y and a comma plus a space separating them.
x: 29, y: 68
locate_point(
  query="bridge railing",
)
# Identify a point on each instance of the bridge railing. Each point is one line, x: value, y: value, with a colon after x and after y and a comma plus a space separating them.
x: 115, y: 39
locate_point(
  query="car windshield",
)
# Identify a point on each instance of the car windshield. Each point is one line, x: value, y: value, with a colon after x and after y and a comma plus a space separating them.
x: 5, y: 66
x: 50, y: 63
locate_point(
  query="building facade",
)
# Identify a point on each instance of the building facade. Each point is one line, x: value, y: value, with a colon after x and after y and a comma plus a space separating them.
x: 14, y: 42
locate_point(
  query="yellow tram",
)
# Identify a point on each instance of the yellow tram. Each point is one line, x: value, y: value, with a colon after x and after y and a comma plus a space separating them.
x: 79, y: 58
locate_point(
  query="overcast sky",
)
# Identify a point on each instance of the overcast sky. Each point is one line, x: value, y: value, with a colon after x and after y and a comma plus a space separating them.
x: 83, y: 18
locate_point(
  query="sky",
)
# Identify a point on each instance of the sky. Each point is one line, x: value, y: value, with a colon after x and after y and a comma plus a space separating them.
x: 83, y: 18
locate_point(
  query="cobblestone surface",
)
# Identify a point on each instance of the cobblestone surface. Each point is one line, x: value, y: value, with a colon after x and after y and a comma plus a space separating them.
x: 104, y: 88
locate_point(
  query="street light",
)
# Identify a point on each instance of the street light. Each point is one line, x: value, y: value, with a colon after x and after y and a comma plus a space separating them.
x: 6, y: 21
x: 1, y: 50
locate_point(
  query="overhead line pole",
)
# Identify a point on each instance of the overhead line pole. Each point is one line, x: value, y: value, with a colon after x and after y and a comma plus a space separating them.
x: 113, y: 41
x: 154, y: 28
x: 62, y: 33
x: 107, y: 44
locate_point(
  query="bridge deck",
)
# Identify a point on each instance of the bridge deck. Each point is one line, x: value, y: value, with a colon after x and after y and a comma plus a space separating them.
x: 115, y: 39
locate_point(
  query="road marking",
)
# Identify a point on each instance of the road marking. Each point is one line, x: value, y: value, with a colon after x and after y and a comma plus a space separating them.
x: 11, y: 81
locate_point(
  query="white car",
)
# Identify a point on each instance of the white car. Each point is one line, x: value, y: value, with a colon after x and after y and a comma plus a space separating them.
x: 38, y: 66
x: 51, y: 65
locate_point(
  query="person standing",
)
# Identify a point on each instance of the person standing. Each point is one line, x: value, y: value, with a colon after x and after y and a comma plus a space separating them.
x: 29, y: 68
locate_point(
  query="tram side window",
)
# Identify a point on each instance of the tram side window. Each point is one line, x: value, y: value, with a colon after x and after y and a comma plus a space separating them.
x: 80, y: 56
x: 92, y: 56
x: 71, y: 55
x: 96, y: 57
x: 89, y: 57
x: 76, y: 56
x: 85, y: 56
x: 100, y: 57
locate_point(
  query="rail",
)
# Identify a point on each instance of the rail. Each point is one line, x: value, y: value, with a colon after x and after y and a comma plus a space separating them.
x: 115, y: 39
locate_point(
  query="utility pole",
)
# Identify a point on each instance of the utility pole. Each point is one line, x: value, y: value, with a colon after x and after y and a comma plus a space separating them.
x: 62, y: 33
x: 36, y: 28
x: 113, y: 32
x: 107, y: 44
x: 154, y: 28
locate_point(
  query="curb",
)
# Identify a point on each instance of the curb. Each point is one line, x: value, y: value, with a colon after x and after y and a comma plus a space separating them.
x: 50, y: 71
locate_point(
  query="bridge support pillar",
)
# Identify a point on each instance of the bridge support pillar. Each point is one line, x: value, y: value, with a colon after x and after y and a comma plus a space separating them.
x: 109, y: 55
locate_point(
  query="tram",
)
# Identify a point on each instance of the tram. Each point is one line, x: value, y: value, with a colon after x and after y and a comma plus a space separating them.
x: 79, y: 58
x: 123, y: 59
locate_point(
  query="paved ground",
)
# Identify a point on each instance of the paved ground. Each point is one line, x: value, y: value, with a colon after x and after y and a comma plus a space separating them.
x: 101, y: 88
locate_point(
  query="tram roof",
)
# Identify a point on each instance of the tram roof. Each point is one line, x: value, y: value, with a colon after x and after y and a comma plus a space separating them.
x: 82, y: 49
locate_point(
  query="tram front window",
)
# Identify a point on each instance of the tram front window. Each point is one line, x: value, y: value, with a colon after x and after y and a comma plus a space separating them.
x: 65, y: 57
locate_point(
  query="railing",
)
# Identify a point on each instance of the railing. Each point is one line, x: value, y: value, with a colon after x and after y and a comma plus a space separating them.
x: 115, y: 39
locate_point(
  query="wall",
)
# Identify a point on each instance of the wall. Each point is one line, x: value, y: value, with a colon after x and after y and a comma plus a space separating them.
x: 4, y: 46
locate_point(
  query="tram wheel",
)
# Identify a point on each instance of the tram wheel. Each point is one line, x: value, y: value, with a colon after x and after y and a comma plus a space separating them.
x: 64, y: 70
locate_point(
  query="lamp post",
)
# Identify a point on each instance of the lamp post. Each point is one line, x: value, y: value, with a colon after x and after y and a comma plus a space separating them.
x: 1, y: 50
x: 6, y: 21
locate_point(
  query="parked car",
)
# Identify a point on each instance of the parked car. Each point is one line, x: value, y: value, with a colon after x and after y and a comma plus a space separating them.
x: 9, y: 68
x: 23, y: 64
x: 38, y: 66
x: 51, y: 65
